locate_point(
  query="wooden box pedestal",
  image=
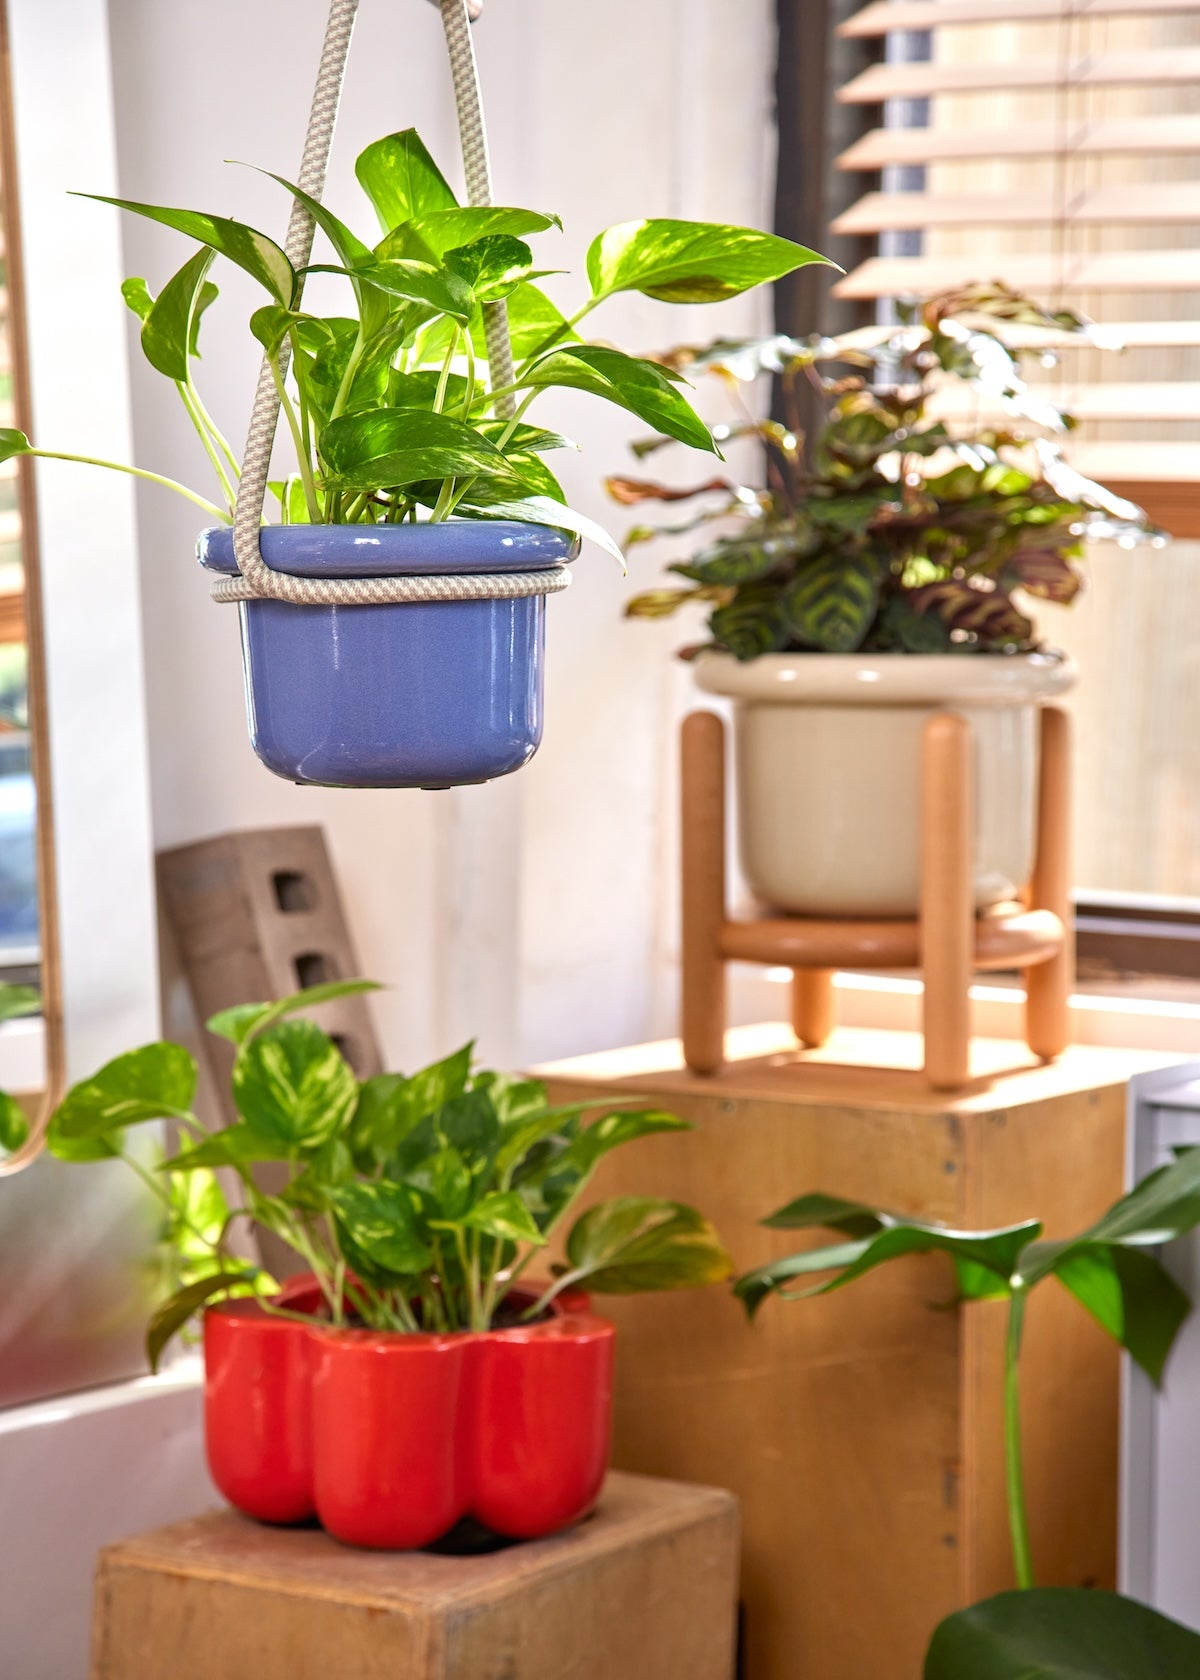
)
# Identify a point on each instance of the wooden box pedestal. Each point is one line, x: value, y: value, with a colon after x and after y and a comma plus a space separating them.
x: 862, y: 1431
x: 646, y: 1586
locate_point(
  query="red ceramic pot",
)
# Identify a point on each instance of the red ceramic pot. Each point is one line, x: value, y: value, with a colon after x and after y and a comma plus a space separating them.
x: 390, y: 1440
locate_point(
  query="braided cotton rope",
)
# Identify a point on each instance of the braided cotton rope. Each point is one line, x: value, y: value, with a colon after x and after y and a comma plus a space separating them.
x: 258, y: 580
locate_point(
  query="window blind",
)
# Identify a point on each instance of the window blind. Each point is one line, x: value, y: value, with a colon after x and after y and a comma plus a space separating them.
x: 1053, y: 145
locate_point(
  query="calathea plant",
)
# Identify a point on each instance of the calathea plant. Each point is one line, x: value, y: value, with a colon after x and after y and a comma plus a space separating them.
x: 1113, y: 1271
x: 902, y: 525
x: 391, y: 406
x: 416, y: 1202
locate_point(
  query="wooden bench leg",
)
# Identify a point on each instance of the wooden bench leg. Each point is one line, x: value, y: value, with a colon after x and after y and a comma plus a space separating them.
x: 703, y: 852
x: 1048, y: 985
x: 812, y: 1006
x: 947, y: 898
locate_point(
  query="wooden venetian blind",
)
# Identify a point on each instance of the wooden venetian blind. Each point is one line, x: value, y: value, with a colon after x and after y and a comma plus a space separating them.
x: 1054, y: 145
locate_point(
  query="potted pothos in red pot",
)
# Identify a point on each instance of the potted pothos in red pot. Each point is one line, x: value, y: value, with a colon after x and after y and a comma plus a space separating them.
x: 417, y: 1371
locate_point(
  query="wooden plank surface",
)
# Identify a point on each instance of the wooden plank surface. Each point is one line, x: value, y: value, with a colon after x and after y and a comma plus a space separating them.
x: 859, y: 1430
x: 647, y: 1585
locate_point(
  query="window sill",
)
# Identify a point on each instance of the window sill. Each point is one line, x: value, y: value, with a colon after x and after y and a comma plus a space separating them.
x: 1155, y: 1015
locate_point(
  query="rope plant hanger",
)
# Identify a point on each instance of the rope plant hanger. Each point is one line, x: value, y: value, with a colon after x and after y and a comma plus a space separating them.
x: 258, y: 581
x: 393, y: 618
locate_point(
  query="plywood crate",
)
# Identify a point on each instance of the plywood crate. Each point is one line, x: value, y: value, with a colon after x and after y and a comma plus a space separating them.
x: 862, y: 1431
x: 646, y: 1586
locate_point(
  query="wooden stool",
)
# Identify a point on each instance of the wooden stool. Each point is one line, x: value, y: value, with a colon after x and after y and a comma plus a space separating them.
x: 947, y: 942
x: 648, y: 1585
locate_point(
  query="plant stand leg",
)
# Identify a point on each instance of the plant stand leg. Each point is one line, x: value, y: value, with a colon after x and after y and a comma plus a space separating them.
x: 1048, y: 985
x: 703, y: 849
x: 812, y: 1006
x: 947, y: 898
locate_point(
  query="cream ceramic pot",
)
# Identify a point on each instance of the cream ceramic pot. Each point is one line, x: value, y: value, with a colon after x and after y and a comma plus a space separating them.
x: 828, y: 753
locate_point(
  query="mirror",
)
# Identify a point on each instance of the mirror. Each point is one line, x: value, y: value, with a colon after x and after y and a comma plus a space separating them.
x: 31, y: 1059
x: 76, y: 1247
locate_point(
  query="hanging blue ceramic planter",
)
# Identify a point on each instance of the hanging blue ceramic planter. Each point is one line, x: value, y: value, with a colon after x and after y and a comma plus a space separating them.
x: 426, y: 694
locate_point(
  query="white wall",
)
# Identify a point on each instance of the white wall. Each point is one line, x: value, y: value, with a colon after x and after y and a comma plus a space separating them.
x: 535, y: 912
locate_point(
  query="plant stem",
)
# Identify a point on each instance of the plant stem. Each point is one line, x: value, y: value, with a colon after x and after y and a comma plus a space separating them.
x: 305, y: 465
x: 214, y: 430
x: 448, y: 362
x: 1018, y: 1516
x: 134, y: 472
x: 218, y: 465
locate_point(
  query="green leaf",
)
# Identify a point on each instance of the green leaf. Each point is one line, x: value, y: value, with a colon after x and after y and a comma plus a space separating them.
x: 13, y: 442
x: 376, y: 1225
x: 514, y: 1098
x: 1131, y: 1295
x: 14, y: 1127
x: 389, y: 447
x: 174, y: 1313
x: 643, y: 388
x: 447, y: 229
x: 445, y: 1179
x: 401, y: 179
x: 533, y: 323
x: 137, y: 296
x: 1062, y: 1633
x: 504, y: 1215
x: 391, y: 1107
x: 16, y: 1001
x: 995, y: 1252
x: 832, y: 601
x: 637, y: 1243
x: 438, y: 289
x: 152, y: 1083
x: 493, y: 267
x: 245, y: 1019
x: 292, y: 1085
x: 170, y: 329
x: 689, y: 262
x: 832, y: 1213
x: 245, y: 246
x: 234, y: 1146
x: 542, y: 510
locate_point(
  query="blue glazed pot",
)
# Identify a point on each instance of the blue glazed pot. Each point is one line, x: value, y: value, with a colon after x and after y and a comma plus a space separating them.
x: 431, y: 694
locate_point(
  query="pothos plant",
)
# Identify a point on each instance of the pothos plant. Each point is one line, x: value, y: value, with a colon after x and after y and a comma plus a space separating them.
x: 417, y: 1202
x: 1112, y: 1270
x: 898, y: 527
x: 391, y: 407
x: 15, y: 1002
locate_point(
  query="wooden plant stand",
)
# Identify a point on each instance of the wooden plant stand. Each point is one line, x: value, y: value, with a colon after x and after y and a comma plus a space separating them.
x: 948, y: 942
x: 646, y: 1586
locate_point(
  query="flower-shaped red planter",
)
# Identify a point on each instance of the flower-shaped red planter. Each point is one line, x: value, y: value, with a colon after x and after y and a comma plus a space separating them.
x: 389, y: 1440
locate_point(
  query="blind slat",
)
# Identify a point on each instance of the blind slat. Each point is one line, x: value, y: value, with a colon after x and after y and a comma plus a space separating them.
x: 1148, y: 400
x: 885, y: 16
x: 1128, y: 335
x: 1134, y: 136
x: 922, y: 80
x: 1154, y: 201
x: 1042, y: 272
x: 1177, y: 463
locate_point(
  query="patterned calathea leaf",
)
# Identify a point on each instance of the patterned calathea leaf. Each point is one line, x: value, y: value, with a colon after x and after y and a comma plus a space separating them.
x: 832, y: 601
x: 753, y: 623
x: 1045, y: 572
x: 989, y: 615
x: 743, y: 559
